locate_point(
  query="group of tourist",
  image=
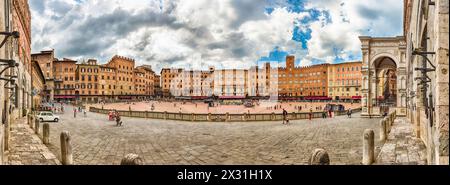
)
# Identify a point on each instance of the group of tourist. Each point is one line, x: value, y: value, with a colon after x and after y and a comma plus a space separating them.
x: 79, y: 109
x: 115, y: 115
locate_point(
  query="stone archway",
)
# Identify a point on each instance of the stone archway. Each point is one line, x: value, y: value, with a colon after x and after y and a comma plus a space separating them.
x: 384, y: 67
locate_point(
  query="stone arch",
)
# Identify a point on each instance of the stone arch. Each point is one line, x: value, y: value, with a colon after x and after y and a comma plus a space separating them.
x: 382, y: 55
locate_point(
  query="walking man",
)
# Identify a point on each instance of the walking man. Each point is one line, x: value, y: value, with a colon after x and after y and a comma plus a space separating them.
x: 349, y: 113
x: 310, y: 113
x: 284, y: 116
x: 118, y: 120
x: 74, y: 112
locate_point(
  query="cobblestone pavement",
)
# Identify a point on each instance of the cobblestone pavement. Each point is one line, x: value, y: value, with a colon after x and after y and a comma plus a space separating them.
x: 402, y: 146
x: 26, y: 148
x: 97, y: 141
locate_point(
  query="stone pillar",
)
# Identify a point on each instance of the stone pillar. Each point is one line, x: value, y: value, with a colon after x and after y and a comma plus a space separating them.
x: 6, y: 136
x: 383, y: 130
x: 192, y: 117
x: 37, y: 126
x: 368, y: 147
x: 319, y: 157
x: 66, y: 148
x: 273, y: 116
x: 209, y: 117
x: 388, y: 125
x: 132, y: 159
x: 1, y: 143
x: 46, y: 133
x: 244, y: 117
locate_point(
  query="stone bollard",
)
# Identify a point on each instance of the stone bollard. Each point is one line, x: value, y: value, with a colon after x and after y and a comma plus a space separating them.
x: 273, y: 116
x: 37, y: 126
x: 383, y: 130
x: 319, y: 157
x: 165, y: 115
x: 209, y: 117
x: 46, y: 133
x: 131, y: 159
x: 192, y: 117
x: 368, y: 147
x: 386, y: 121
x: 66, y: 149
x: 244, y: 117
x: 6, y: 137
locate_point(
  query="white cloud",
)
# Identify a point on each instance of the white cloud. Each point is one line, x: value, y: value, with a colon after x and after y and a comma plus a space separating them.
x: 200, y: 33
x: 351, y: 19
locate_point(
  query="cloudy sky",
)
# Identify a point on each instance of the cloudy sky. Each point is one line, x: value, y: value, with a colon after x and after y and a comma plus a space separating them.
x: 200, y: 33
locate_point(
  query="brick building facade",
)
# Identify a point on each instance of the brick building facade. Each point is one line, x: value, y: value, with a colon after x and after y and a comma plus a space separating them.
x: 89, y: 81
x: 15, y: 94
x: 344, y: 81
x: 38, y: 85
x: 316, y: 82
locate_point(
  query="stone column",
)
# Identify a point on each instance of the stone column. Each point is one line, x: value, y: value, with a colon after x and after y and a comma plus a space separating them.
x: 66, y: 148
x: 36, y: 126
x: 6, y: 135
x: 368, y: 147
x: 383, y: 130
x: 132, y: 159
x: 1, y: 143
x: 319, y: 157
x: 46, y: 133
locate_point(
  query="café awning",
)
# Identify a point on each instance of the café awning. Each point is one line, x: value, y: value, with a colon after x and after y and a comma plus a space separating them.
x: 317, y: 98
x: 232, y: 97
x: 65, y: 97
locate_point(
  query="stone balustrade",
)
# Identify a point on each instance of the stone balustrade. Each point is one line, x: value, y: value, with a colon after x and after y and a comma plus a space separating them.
x: 226, y: 117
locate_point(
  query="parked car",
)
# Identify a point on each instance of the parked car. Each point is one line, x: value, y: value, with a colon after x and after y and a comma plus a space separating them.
x: 47, y: 116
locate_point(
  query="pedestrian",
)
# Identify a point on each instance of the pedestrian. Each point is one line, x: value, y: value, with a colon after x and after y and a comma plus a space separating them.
x: 310, y: 113
x: 324, y: 114
x: 330, y: 113
x: 84, y: 112
x: 284, y: 116
x: 74, y: 112
x: 118, y: 120
x: 349, y: 113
